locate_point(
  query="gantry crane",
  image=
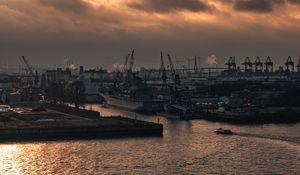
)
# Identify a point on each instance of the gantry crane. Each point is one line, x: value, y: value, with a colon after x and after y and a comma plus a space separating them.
x: 298, y: 66
x: 289, y: 64
x: 269, y: 65
x: 258, y: 65
x: 248, y: 64
x: 231, y: 63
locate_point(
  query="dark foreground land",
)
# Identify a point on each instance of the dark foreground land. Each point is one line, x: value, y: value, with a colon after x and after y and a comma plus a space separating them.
x: 68, y: 123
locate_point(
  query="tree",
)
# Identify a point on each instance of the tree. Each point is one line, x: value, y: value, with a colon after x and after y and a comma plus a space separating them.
x: 55, y: 93
x: 75, y: 92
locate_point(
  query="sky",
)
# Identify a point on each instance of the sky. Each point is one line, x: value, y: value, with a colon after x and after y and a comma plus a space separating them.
x: 100, y: 33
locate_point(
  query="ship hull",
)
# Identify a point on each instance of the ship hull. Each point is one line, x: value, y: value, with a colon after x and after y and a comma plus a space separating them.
x: 133, y: 105
x: 179, y: 112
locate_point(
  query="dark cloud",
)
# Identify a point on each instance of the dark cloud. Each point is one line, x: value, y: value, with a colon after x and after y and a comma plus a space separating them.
x: 75, y: 6
x: 261, y: 6
x: 294, y: 1
x: 47, y: 31
x: 166, y: 6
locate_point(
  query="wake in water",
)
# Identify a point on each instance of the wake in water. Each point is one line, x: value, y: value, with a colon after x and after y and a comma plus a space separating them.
x: 272, y: 137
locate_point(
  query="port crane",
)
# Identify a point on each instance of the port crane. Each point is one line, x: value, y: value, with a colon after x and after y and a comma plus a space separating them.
x: 248, y: 64
x: 258, y: 65
x: 298, y: 64
x: 29, y: 69
x: 126, y: 62
x: 129, y: 70
x: 231, y: 63
x: 269, y: 65
x: 171, y: 64
x: 289, y: 64
x: 175, y: 76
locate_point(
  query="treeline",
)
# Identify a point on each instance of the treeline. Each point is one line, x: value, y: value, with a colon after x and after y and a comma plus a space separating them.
x: 59, y: 93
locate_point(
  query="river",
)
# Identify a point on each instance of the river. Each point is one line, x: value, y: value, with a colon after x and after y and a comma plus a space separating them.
x: 187, y: 147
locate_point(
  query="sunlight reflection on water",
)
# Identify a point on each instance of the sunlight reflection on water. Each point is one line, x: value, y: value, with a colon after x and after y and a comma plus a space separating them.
x: 187, y: 147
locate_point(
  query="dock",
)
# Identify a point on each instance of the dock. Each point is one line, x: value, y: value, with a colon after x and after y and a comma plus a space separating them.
x: 258, y: 116
x: 51, y: 124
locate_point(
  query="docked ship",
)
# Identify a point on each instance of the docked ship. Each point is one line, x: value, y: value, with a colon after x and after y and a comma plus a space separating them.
x: 176, y: 112
x: 134, y: 96
x: 131, y: 92
x: 140, y: 105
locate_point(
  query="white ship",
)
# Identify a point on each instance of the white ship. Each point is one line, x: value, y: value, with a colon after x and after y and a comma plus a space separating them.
x: 132, y: 104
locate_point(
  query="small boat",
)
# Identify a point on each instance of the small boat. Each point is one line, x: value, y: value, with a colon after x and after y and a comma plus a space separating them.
x: 5, y: 109
x: 223, y: 131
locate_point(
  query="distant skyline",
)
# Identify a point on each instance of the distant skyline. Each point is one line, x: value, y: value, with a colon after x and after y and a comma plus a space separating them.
x: 100, y: 33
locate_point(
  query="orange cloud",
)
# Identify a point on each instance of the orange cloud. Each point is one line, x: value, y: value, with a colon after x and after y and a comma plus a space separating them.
x: 186, y: 25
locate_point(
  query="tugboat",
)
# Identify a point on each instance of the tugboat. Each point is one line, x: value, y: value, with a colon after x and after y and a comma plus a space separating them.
x: 5, y: 109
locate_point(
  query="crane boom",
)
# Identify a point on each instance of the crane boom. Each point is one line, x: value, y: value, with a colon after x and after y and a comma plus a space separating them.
x: 29, y: 68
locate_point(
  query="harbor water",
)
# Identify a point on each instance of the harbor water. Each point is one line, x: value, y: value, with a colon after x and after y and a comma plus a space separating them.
x: 187, y: 147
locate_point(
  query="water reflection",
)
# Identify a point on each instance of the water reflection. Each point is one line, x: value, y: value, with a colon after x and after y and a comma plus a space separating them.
x: 9, y: 162
x: 187, y: 147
